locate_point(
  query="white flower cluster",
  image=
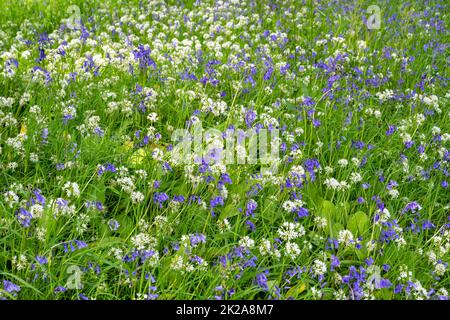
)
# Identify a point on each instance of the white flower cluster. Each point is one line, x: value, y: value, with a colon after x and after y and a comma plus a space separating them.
x: 332, y: 183
x: 72, y: 189
x: 291, y: 231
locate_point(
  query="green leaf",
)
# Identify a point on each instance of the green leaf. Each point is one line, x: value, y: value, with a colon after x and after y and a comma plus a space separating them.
x: 312, y: 194
x: 386, y: 294
x: 335, y: 228
x: 271, y: 284
x: 296, y: 290
x: 358, y: 223
x: 291, y: 106
x: 107, y: 242
x: 229, y: 211
x: 328, y: 210
x: 270, y: 210
x: 214, y: 253
x: 126, y: 226
x: 97, y: 191
x: 361, y: 253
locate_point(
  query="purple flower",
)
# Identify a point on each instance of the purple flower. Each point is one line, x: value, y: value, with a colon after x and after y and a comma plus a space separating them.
x: 412, y: 206
x: 250, y: 225
x: 83, y: 297
x: 268, y: 74
x: 308, y: 101
x: 428, y: 225
x: 74, y: 245
x: 369, y: 261
x: 99, y: 131
x: 409, y: 144
x: 261, y: 280
x: 107, y: 167
x: 59, y: 289
x: 251, y: 207
x: 113, y: 224
x: 301, y: 212
x: 332, y: 244
x: 196, y: 239
x: 365, y: 185
x: 316, y: 123
x: 197, y: 259
x: 151, y: 293
x: 390, y: 130
x: 41, y: 259
x: 159, y: 198
x: 24, y: 217
x: 99, y: 205
x: 44, y: 135
x: 179, y: 198
x: 214, y: 202
x: 391, y: 184
x: 383, y: 283
x: 334, y: 262
x: 224, y: 179
x: 398, y: 289
x: 421, y: 149
x: 10, y: 287
x: 358, y: 144
x: 142, y: 54
x: 250, y: 116
x: 310, y: 166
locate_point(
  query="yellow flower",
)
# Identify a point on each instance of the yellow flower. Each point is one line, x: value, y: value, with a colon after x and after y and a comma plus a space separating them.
x: 23, y: 131
x: 138, y: 156
x: 128, y: 145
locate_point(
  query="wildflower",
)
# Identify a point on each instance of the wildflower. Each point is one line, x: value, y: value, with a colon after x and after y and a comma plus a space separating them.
x: 334, y: 262
x: 113, y: 224
x: 59, y: 289
x: 11, y: 198
x: 137, y: 197
x: 216, y: 201
x: 290, y: 231
x: 439, y: 269
x: 24, y: 217
x: 247, y: 242
x: 261, y: 280
x: 159, y: 198
x: 196, y: 239
x: 41, y: 259
x: 11, y: 287
x: 292, y: 250
x: 346, y: 237
x: 319, y: 267
x: 72, y: 189
x: 251, y: 207
x: 412, y: 206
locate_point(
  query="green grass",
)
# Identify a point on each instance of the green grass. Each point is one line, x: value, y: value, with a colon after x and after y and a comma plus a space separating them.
x: 327, y: 54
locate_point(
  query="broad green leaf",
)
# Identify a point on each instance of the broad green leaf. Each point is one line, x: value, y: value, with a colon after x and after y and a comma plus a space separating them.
x: 296, y: 290
x: 335, y: 228
x: 328, y: 210
x: 106, y: 242
x: 291, y: 106
x: 229, y: 211
x: 358, y: 223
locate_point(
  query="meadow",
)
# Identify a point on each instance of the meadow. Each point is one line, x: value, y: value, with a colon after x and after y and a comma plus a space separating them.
x: 353, y: 96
